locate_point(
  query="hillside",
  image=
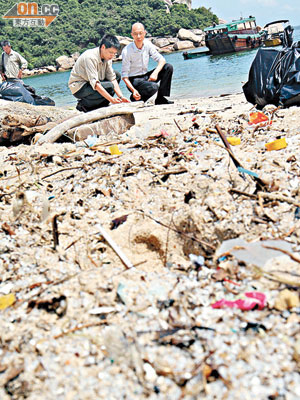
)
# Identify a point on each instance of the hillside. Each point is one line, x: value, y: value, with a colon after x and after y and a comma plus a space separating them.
x: 81, y: 23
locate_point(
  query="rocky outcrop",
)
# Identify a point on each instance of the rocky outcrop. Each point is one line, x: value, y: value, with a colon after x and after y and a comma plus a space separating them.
x: 124, y: 41
x: 183, y: 45
x: 186, y: 39
x: 161, y: 42
x: 185, y: 34
x: 64, y: 63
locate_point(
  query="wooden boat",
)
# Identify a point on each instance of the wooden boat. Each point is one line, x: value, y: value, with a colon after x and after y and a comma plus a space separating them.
x: 238, y: 35
x: 272, y: 32
x: 196, y: 54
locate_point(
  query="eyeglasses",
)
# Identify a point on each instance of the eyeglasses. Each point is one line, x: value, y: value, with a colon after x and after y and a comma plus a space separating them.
x: 112, y: 53
x: 138, y: 33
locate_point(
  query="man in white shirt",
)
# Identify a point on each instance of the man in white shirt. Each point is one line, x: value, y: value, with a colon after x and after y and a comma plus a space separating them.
x: 93, y: 81
x: 11, y: 63
x: 143, y: 83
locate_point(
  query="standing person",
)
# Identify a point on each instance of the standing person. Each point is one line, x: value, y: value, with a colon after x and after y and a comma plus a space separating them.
x: 11, y: 63
x: 93, y: 81
x: 143, y: 83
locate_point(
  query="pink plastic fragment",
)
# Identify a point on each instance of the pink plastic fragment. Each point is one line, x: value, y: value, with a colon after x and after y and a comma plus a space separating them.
x: 163, y: 133
x: 252, y: 300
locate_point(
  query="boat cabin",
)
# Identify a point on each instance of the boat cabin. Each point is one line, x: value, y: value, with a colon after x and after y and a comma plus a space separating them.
x: 245, y: 26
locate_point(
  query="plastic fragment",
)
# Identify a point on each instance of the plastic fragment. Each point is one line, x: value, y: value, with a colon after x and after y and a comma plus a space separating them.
x: 276, y: 145
x: 287, y: 299
x: 197, y: 260
x: 247, y: 171
x: 233, y: 140
x: 7, y: 301
x: 114, y: 150
x: 254, y: 326
x: 259, y: 117
x: 91, y: 140
x: 252, y: 300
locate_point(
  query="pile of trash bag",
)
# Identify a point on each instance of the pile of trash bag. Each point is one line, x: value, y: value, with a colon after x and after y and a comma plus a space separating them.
x: 18, y: 91
x: 274, y: 76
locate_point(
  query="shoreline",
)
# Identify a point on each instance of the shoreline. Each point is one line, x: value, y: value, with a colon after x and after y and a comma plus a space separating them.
x: 186, y: 39
x: 44, y: 70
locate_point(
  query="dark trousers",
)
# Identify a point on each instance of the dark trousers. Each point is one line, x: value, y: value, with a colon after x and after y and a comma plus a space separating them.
x: 148, y: 88
x: 91, y: 99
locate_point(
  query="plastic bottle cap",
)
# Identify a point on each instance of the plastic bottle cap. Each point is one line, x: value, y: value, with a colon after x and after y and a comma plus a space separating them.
x: 276, y: 145
x: 233, y: 140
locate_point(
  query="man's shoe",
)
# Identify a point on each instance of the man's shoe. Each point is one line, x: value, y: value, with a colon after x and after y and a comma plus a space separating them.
x: 80, y: 107
x: 163, y: 100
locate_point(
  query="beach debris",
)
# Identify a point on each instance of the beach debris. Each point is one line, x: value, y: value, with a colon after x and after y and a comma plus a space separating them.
x: 56, y: 305
x: 172, y: 203
x: 234, y: 140
x: 250, y: 301
x: 276, y: 145
x: 82, y: 119
x: 114, y: 150
x: 117, y: 124
x: 7, y: 229
x: 286, y: 300
x: 257, y: 253
x: 114, y: 246
x: 116, y: 222
x: 261, y: 184
x: 7, y: 301
x: 259, y: 118
x: 20, y: 121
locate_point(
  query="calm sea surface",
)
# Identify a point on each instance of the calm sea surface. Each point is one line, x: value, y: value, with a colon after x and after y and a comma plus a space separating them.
x: 200, y: 77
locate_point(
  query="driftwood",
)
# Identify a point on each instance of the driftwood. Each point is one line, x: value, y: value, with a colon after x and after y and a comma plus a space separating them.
x: 20, y: 121
x: 117, y: 109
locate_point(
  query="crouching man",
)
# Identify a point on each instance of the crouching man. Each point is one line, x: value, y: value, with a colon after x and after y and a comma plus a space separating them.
x: 93, y: 81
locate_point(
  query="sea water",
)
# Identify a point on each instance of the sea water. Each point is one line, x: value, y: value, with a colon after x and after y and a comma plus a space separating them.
x: 199, y: 77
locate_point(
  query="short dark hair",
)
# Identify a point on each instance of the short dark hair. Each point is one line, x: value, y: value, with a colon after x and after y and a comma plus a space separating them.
x: 5, y: 43
x: 110, y: 41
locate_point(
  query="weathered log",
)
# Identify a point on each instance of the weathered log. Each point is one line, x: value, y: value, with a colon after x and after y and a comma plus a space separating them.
x: 117, y: 109
x: 20, y: 119
x: 23, y: 120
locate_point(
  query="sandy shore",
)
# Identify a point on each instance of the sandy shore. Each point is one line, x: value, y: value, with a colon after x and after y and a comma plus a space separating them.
x: 77, y: 323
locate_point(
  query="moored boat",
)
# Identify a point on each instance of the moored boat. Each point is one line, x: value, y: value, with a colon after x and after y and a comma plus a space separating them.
x: 238, y: 35
x: 273, y: 32
x: 195, y: 54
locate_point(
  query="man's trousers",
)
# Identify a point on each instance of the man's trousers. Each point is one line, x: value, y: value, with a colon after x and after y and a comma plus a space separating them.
x: 148, y: 88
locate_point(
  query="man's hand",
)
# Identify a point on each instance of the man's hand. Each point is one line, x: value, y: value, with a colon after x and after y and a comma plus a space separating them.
x: 20, y: 74
x: 115, y: 100
x: 153, y: 77
x: 136, y: 95
x: 124, y: 100
x: 3, y: 76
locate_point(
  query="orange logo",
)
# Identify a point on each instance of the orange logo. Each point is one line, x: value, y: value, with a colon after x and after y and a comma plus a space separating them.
x: 29, y: 14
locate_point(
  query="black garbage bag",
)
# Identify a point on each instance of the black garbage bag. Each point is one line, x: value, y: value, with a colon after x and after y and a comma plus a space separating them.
x: 274, y: 76
x: 39, y: 100
x: 18, y: 91
x: 15, y: 91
